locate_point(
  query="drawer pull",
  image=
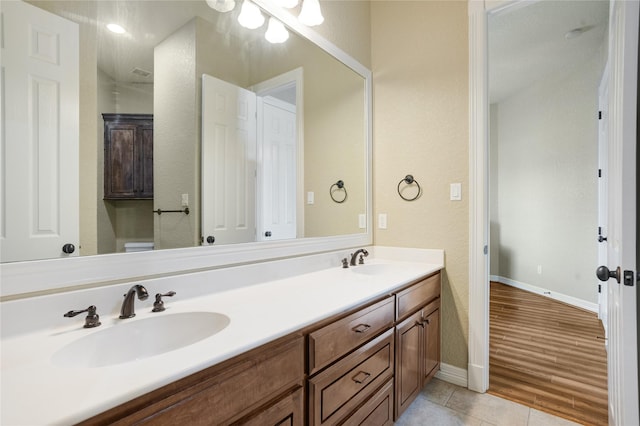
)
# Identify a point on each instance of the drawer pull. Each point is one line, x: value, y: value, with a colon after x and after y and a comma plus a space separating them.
x: 361, y: 377
x: 361, y: 328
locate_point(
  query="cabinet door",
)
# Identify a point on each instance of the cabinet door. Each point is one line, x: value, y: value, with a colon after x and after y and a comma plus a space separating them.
x: 289, y: 411
x: 144, y: 162
x: 409, y: 338
x: 119, y: 160
x: 431, y: 344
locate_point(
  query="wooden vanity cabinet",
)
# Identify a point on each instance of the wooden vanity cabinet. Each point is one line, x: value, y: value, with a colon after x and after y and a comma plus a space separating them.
x: 262, y: 387
x: 417, y: 340
x: 128, y: 156
x: 351, y: 363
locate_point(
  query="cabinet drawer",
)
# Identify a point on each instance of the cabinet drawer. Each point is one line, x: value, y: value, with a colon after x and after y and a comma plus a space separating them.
x: 337, y: 391
x: 377, y: 411
x: 417, y: 295
x: 339, y: 338
x: 289, y: 411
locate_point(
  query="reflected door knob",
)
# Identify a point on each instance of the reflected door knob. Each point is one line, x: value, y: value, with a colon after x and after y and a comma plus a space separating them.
x: 68, y: 248
x: 211, y: 239
x: 603, y: 273
x: 267, y: 234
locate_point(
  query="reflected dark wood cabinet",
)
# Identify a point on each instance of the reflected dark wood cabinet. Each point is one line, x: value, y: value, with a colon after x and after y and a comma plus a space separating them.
x: 128, y: 156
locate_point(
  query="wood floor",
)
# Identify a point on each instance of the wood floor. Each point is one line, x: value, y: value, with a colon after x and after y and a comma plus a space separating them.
x: 547, y: 355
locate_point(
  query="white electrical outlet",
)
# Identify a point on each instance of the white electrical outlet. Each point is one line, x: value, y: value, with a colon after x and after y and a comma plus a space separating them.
x: 310, y: 197
x: 382, y: 221
x: 539, y: 269
x: 185, y: 200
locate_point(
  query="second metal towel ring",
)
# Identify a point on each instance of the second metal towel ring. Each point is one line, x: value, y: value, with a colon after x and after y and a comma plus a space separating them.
x: 408, y: 179
x: 338, y: 185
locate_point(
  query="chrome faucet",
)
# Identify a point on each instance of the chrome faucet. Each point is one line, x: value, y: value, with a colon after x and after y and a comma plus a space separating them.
x: 127, y: 310
x: 354, y: 256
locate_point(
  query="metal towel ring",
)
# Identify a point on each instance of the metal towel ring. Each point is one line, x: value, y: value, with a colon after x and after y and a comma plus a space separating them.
x: 408, y: 179
x: 339, y: 185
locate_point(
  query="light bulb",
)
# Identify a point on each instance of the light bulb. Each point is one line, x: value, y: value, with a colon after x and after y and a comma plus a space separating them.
x: 250, y: 16
x: 222, y: 5
x: 276, y: 32
x: 288, y: 3
x: 310, y: 14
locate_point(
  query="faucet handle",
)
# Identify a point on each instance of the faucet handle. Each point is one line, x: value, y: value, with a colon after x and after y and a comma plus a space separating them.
x: 158, y: 305
x: 345, y: 263
x: 92, y: 319
x: 361, y: 259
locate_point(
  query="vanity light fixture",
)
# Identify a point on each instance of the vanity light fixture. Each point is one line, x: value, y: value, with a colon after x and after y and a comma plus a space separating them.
x: 115, y: 28
x: 250, y: 15
x: 310, y: 15
x: 221, y: 5
x: 276, y: 32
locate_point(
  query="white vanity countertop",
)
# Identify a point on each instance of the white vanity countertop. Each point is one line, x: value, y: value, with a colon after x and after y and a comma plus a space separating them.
x: 37, y: 392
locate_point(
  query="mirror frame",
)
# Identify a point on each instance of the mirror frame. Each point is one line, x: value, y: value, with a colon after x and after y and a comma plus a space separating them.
x: 31, y: 278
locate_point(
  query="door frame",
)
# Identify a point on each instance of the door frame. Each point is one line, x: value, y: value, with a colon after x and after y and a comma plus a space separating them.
x: 264, y: 88
x: 478, y: 362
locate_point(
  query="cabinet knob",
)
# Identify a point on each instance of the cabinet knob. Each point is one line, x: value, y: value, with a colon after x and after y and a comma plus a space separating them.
x: 68, y: 248
x: 361, y: 328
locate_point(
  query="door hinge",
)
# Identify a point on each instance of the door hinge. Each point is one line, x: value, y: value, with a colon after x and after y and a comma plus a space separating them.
x: 599, y: 288
x: 486, y: 249
x: 599, y: 173
x: 599, y: 115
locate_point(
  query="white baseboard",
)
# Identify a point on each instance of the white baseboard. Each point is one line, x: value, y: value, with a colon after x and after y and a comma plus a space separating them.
x: 570, y: 300
x: 452, y: 374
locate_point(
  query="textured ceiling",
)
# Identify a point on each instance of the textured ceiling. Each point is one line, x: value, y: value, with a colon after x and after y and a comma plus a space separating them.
x: 528, y: 43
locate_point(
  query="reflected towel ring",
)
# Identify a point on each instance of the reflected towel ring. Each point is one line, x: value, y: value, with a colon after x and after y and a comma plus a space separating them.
x: 408, y: 179
x: 338, y: 185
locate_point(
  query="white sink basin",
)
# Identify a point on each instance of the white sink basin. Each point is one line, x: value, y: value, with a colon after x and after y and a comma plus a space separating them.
x: 375, y: 269
x: 132, y: 340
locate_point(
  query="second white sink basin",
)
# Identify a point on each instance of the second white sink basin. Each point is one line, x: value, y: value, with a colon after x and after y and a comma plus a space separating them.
x: 375, y: 268
x: 132, y: 340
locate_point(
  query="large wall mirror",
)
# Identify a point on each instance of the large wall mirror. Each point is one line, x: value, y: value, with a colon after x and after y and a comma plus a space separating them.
x: 155, y: 68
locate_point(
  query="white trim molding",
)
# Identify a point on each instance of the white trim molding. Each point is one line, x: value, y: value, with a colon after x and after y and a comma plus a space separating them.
x: 452, y: 374
x: 478, y: 367
x: 569, y: 300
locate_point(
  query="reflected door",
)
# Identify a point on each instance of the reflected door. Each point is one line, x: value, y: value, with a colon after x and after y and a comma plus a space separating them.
x: 39, y: 84
x: 277, y: 169
x: 228, y: 162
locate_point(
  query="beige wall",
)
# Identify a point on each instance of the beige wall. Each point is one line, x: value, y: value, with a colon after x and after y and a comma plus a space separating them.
x: 420, y: 73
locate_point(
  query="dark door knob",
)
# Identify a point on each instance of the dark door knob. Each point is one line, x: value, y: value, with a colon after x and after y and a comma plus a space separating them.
x: 211, y: 239
x: 603, y: 273
x: 267, y: 234
x: 68, y: 248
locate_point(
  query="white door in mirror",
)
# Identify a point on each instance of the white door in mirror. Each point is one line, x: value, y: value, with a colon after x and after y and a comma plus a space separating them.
x: 40, y: 197
x: 228, y: 162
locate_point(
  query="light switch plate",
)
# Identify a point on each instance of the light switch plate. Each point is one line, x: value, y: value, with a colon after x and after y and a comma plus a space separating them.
x: 185, y: 200
x: 310, y: 197
x: 382, y: 221
x: 362, y: 221
x: 455, y: 191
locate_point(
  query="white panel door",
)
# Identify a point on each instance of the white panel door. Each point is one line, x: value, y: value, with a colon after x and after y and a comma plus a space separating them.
x: 39, y: 167
x: 228, y: 163
x: 622, y: 195
x: 277, y: 170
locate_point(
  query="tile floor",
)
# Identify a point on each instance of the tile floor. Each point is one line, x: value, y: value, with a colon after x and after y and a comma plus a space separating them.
x: 444, y: 404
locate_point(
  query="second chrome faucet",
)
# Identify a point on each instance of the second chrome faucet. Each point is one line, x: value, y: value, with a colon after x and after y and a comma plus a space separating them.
x: 127, y: 310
